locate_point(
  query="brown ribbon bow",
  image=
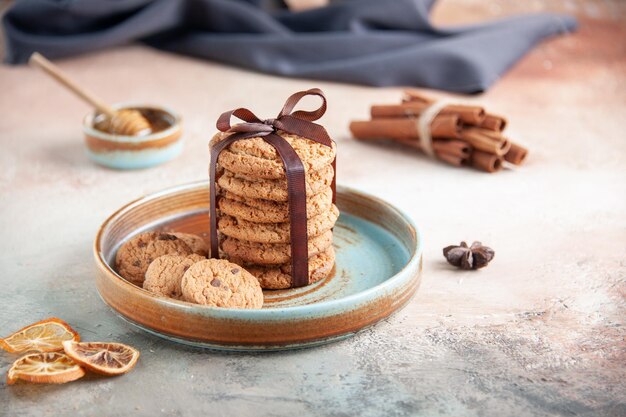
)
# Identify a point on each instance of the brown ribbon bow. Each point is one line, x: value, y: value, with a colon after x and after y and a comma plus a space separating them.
x: 298, y: 123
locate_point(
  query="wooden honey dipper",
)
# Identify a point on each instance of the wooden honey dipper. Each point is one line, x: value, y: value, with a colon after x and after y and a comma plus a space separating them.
x: 127, y: 122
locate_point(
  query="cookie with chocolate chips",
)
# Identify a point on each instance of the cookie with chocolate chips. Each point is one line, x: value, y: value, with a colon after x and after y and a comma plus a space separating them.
x: 274, y: 190
x: 219, y: 283
x: 276, y: 277
x: 271, y: 254
x: 165, y: 273
x: 134, y: 256
x: 259, y: 159
x: 266, y: 211
x: 195, y: 242
x: 274, y: 232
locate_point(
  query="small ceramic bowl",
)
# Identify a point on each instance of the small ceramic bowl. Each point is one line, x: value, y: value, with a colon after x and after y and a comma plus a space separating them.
x: 134, y: 152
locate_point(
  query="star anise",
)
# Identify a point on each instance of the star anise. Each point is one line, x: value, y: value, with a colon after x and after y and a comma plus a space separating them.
x: 473, y: 257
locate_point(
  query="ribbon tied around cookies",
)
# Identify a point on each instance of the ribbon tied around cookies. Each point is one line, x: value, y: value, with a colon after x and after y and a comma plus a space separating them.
x: 298, y: 123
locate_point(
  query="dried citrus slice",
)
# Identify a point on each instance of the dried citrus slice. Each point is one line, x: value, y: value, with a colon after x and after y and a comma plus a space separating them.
x: 43, y: 336
x: 45, y: 368
x: 103, y: 358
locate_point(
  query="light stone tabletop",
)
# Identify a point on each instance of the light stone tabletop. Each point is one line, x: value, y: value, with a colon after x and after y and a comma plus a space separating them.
x: 538, y: 332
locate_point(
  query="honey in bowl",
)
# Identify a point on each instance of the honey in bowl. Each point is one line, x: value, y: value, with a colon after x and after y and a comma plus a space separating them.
x: 153, y: 144
x: 140, y: 121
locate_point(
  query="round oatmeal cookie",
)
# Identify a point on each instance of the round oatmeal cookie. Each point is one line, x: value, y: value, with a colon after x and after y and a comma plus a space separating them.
x: 195, y: 242
x: 279, y: 277
x: 259, y: 159
x: 219, y: 283
x: 165, y: 273
x: 134, y: 256
x: 267, y: 211
x: 275, y: 190
x: 274, y: 232
x: 272, y: 254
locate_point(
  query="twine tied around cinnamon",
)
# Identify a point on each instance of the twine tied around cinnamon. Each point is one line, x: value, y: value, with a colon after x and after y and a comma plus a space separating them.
x: 294, y: 122
x: 424, y: 122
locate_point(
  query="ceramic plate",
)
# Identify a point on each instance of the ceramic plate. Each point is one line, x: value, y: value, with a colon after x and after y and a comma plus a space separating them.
x: 377, y: 271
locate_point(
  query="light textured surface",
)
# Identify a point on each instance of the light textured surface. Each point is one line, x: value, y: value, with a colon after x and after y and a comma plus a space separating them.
x: 538, y: 332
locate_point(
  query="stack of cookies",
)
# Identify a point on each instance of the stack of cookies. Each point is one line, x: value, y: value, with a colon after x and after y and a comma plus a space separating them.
x: 253, y: 209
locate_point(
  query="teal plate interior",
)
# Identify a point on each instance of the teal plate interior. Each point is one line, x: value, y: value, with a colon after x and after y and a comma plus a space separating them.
x: 366, y: 256
x: 378, y: 264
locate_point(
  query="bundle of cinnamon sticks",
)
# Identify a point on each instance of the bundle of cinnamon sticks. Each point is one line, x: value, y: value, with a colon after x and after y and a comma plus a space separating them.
x: 462, y: 135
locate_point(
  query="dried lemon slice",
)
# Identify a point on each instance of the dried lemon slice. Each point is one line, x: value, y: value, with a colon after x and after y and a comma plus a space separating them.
x: 103, y: 358
x: 43, y: 336
x: 45, y: 368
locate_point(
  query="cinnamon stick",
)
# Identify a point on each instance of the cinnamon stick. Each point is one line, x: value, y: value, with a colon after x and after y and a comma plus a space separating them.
x: 392, y: 128
x: 485, y: 161
x: 452, y: 159
x: 492, y: 134
x: 493, y: 122
x: 455, y: 152
x: 451, y: 147
x: 416, y: 96
x: 516, y: 154
x: 480, y: 141
x: 473, y: 115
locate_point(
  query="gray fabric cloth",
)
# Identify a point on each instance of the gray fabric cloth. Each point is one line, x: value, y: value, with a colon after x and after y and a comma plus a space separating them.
x: 372, y: 42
